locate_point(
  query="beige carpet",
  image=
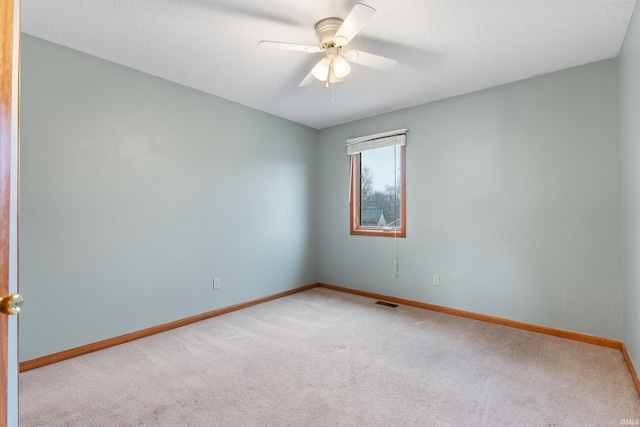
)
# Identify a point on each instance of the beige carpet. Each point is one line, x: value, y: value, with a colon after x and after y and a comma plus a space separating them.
x: 325, y: 358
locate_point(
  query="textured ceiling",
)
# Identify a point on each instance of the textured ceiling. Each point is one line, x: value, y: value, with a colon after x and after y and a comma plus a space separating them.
x: 444, y: 47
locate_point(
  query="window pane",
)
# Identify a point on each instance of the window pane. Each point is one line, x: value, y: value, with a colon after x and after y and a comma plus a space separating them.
x: 380, y: 187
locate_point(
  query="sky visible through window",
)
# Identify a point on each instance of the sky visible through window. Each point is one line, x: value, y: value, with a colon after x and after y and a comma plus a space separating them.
x: 380, y: 164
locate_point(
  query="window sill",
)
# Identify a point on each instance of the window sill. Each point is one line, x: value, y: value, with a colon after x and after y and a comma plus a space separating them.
x: 378, y: 232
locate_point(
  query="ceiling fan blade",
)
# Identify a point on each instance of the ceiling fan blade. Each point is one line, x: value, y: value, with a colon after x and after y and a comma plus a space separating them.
x: 289, y: 46
x: 370, y: 60
x: 307, y: 80
x: 357, y: 18
x: 320, y: 71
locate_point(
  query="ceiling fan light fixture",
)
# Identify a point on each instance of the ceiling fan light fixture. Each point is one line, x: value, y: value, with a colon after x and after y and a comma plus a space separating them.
x: 341, y: 67
x: 333, y: 78
x: 321, y: 70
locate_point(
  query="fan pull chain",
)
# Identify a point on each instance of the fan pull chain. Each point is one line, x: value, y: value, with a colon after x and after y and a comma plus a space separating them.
x: 326, y: 84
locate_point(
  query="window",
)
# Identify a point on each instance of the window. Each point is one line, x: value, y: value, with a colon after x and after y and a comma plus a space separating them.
x: 377, y: 194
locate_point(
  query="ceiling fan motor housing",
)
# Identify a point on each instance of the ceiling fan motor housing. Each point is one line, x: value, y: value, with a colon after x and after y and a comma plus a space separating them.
x: 326, y: 30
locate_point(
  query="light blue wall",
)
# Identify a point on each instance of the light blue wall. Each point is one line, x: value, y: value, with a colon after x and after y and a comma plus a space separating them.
x: 136, y: 192
x: 629, y: 65
x: 512, y: 198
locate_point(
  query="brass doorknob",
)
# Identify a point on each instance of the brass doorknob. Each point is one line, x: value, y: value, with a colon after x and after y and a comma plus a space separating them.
x: 11, y: 304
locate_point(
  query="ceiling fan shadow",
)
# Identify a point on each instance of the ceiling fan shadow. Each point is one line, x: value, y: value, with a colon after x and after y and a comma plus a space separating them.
x: 254, y: 10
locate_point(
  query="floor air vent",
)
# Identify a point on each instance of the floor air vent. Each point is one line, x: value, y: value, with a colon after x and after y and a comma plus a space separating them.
x: 388, y: 304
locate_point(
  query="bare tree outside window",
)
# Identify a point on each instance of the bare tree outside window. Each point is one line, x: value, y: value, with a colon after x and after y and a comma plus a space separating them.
x: 379, y: 188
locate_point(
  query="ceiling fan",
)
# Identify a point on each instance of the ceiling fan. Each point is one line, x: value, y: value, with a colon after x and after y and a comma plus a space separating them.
x: 334, y: 34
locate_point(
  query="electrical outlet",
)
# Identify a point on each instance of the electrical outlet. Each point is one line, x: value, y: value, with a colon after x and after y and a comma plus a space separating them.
x: 436, y: 280
x: 216, y: 283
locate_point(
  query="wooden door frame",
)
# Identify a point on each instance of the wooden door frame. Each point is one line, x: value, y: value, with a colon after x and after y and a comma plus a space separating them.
x: 9, y: 38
